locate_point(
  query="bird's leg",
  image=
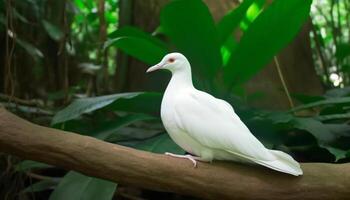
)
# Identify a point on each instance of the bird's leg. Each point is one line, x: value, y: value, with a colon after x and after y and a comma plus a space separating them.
x: 189, y: 157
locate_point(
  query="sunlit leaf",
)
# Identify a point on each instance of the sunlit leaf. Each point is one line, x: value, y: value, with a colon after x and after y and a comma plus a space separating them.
x: 272, y: 30
x: 231, y: 20
x: 227, y: 48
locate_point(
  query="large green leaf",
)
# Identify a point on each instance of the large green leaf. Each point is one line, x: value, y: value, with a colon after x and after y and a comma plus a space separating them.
x: 159, y: 144
x: 137, y: 44
x: 343, y: 51
x: 139, y: 48
x: 107, y: 128
x: 338, y: 153
x: 75, y: 186
x: 86, y: 105
x: 273, y: 29
x: 327, y: 135
x: 128, y: 31
x: 54, y: 32
x: 191, y: 28
x: 147, y: 103
x: 130, y: 102
x: 231, y: 20
x: 338, y: 100
x: 316, y: 128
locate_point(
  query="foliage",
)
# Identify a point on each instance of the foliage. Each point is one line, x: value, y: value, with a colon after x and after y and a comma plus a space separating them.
x: 331, y: 41
x: 273, y: 29
x: 317, y: 130
x: 77, y: 186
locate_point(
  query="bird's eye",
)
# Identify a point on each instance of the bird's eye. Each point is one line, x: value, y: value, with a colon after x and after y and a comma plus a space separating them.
x: 171, y: 60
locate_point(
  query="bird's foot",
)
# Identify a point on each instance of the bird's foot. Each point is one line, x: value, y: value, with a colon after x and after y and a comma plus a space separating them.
x: 189, y: 157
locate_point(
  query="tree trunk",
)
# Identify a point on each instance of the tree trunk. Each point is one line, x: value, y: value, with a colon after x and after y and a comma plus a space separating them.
x: 130, y: 73
x: 298, y: 71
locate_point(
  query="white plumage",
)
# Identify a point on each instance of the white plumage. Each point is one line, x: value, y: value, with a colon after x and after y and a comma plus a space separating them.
x: 208, y: 127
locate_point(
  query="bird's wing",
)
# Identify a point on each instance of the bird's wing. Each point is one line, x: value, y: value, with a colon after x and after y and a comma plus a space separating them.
x: 213, y: 123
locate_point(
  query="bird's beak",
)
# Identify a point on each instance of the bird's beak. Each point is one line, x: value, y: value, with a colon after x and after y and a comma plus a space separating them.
x: 154, y: 68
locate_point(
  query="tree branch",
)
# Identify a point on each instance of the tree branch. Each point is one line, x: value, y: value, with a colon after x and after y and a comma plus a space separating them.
x: 124, y: 165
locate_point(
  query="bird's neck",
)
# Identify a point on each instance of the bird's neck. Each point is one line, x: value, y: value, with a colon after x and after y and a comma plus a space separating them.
x: 181, y: 79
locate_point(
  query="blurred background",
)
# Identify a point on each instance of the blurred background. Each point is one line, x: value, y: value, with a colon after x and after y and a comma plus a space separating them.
x: 80, y: 66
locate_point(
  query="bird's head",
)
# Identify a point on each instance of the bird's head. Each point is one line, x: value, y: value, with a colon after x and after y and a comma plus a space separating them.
x: 172, y: 62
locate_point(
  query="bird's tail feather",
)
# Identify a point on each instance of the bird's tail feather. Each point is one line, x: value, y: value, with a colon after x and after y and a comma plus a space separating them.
x: 283, y: 163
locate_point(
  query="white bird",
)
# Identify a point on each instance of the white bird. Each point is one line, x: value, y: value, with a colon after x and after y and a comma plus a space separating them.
x: 207, y: 127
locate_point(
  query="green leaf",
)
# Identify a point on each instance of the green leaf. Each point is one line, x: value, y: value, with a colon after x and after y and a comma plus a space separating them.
x: 307, y: 98
x: 338, y: 153
x: 343, y: 51
x: 138, y: 44
x: 128, y: 31
x: 31, y: 49
x: 54, y: 32
x: 75, y: 186
x: 338, y: 130
x: 191, y: 29
x: 337, y: 92
x: 27, y: 165
x: 279, y: 117
x: 267, y: 35
x: 19, y: 16
x: 227, y: 48
x: 339, y: 100
x: 140, y: 48
x: 106, y: 129
x: 333, y: 117
x: 324, y: 133
x: 2, y: 19
x: 80, y: 4
x: 86, y: 105
x: 41, y: 186
x: 231, y: 20
x: 160, y: 144
x: 137, y: 104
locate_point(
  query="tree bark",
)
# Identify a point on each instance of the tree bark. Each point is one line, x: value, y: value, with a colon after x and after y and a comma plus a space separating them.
x: 219, y: 180
x: 298, y: 71
x: 131, y: 75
